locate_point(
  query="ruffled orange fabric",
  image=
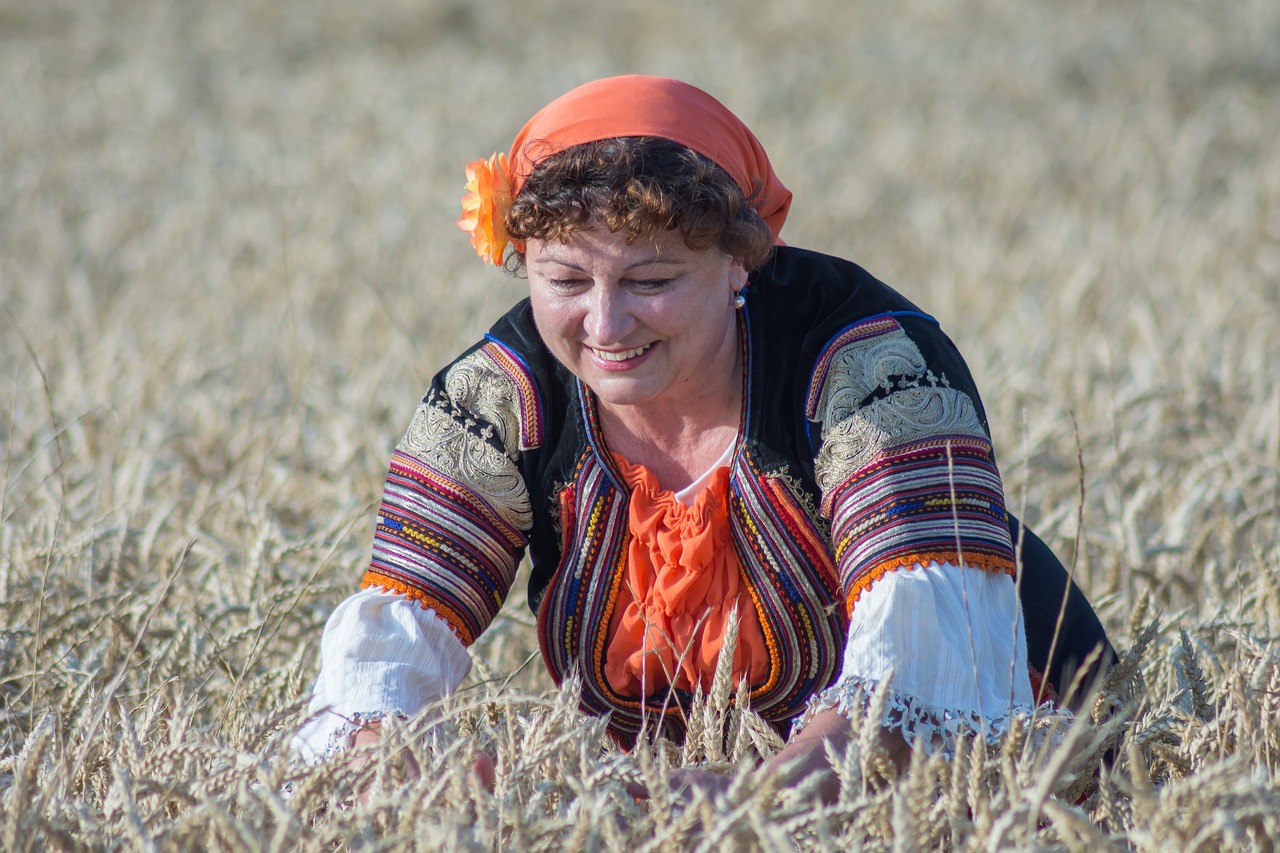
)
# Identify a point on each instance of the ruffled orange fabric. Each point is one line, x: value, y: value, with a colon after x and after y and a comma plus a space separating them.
x: 683, y: 581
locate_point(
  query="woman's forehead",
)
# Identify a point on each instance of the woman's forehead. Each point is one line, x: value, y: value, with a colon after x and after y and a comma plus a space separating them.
x: 599, y: 244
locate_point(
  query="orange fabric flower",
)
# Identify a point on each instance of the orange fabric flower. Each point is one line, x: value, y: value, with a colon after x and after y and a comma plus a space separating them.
x: 683, y: 580
x: 485, y: 205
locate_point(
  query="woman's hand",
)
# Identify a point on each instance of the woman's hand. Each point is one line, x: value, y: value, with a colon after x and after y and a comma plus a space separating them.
x: 686, y: 781
x: 363, y: 744
x: 805, y: 756
x: 370, y: 735
x: 807, y: 753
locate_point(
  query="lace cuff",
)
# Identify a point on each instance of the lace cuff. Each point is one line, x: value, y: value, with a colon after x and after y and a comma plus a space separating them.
x: 344, y: 729
x: 938, y: 727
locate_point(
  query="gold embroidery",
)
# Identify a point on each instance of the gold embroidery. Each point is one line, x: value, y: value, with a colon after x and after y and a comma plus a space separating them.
x: 863, y: 366
x: 454, y: 435
x: 476, y: 385
x: 916, y: 405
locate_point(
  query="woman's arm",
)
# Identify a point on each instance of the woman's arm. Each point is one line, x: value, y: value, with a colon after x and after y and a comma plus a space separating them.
x: 452, y: 527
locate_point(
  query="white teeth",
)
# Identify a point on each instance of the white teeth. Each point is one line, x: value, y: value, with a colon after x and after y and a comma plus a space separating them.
x: 620, y: 356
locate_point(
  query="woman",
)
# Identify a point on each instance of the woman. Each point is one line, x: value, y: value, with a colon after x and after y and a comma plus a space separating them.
x: 688, y: 419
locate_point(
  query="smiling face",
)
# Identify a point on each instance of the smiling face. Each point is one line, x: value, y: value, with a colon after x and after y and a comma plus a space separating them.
x: 648, y: 325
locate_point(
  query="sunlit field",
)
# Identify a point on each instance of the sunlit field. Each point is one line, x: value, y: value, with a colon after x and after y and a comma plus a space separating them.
x: 228, y: 270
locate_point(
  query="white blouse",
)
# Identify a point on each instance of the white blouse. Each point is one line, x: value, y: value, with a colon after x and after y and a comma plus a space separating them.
x: 381, y: 653
x: 947, y: 644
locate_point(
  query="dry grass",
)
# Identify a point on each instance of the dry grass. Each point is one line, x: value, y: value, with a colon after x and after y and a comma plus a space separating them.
x: 228, y: 267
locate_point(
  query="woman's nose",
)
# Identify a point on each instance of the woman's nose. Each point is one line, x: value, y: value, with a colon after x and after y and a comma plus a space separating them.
x: 608, y: 319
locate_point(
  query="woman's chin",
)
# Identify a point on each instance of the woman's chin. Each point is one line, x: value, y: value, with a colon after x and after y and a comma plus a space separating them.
x: 611, y: 391
x: 622, y: 383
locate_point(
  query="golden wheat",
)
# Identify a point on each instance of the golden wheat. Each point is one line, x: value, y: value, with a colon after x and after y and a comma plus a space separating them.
x: 228, y: 269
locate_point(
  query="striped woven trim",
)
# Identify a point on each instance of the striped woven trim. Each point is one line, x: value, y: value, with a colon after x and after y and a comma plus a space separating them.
x: 792, y: 580
x: 438, y: 543
x: 506, y: 360
x: 574, y: 615
x: 790, y: 577
x: 938, y: 500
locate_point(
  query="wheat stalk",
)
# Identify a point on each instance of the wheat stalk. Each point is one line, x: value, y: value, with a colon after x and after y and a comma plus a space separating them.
x: 214, y: 327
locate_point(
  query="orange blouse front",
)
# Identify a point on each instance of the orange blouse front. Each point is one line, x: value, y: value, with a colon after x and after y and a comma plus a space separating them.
x: 683, y: 580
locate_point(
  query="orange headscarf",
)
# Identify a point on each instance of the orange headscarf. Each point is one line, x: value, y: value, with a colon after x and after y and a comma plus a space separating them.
x: 636, y: 105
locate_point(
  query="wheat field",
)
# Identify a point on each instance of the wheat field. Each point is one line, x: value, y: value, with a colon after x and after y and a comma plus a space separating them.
x: 228, y: 269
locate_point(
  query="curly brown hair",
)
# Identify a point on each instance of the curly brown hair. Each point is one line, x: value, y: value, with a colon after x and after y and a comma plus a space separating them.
x: 638, y: 185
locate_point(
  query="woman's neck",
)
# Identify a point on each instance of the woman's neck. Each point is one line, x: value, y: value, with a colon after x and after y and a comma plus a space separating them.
x: 676, y: 457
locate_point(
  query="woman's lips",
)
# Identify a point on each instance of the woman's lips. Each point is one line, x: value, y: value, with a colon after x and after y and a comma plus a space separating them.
x: 619, y: 359
x: 620, y: 355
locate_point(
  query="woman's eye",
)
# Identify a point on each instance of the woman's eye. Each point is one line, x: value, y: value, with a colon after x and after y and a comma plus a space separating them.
x: 565, y: 283
x: 650, y: 283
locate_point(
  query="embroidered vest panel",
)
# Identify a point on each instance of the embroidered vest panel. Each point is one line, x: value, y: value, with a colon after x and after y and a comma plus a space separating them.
x: 791, y: 580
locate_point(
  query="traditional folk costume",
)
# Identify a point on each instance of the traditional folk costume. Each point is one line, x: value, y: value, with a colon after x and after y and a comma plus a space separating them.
x: 856, y: 524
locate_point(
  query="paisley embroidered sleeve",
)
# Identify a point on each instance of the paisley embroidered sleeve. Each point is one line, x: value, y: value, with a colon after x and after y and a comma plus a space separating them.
x: 455, y: 511
x: 906, y: 468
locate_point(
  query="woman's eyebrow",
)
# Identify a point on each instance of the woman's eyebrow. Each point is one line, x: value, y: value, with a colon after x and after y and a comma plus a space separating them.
x: 544, y: 260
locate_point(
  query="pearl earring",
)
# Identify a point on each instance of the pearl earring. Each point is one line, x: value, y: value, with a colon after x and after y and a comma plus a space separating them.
x: 739, y: 300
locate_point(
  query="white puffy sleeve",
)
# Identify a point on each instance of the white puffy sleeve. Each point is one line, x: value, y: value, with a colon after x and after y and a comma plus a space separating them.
x: 381, y: 653
x: 948, y: 647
